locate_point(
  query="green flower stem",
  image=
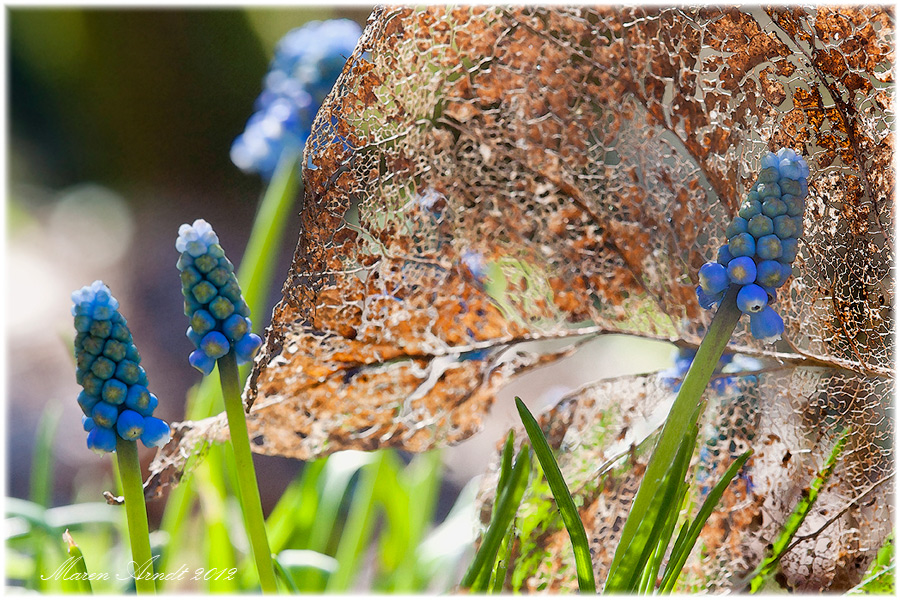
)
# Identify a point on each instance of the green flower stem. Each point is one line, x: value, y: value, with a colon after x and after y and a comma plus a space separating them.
x: 246, y: 473
x: 136, y: 510
x: 258, y: 261
x: 678, y: 423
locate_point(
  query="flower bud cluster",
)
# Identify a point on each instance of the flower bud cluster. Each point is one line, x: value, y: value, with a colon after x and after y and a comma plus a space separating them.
x: 219, y: 316
x: 307, y: 62
x: 762, y: 244
x: 115, y: 399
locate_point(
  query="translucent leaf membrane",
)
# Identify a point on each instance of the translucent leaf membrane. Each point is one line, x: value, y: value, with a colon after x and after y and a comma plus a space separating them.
x: 791, y: 418
x: 481, y: 177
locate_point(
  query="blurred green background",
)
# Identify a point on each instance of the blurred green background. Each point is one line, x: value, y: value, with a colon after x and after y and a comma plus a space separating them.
x: 120, y: 125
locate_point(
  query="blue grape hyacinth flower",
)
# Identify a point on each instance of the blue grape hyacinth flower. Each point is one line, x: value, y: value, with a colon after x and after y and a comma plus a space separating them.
x: 218, y: 313
x: 115, y: 399
x: 762, y: 243
x: 307, y: 62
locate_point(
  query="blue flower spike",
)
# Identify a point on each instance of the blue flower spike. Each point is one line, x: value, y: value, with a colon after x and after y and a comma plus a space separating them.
x: 115, y: 398
x: 307, y: 63
x: 213, y: 302
x: 762, y: 243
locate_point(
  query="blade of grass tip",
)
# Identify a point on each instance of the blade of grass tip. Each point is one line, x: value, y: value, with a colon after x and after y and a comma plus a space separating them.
x: 633, y: 565
x: 483, y: 582
x: 506, y: 458
x: 677, y: 423
x: 879, y: 577
x: 683, y: 546
x: 769, y: 565
x: 424, y: 481
x: 76, y: 580
x: 885, y: 555
x: 572, y: 520
x: 510, y: 498
x: 358, y: 528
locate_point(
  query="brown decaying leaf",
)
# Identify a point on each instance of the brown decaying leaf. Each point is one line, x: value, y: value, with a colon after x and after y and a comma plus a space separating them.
x: 594, y: 156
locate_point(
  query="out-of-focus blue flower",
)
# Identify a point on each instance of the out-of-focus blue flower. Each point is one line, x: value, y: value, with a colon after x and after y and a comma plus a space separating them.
x: 728, y: 363
x: 219, y: 315
x: 306, y: 65
x: 474, y: 261
x: 115, y: 397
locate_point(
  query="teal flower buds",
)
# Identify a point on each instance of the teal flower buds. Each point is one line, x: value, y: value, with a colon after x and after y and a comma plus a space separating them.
x: 115, y: 399
x: 219, y: 316
x: 762, y: 243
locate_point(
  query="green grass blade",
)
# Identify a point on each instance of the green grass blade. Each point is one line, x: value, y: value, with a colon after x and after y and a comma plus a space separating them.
x: 677, y: 424
x: 294, y: 515
x: 506, y: 458
x: 683, y: 546
x: 42, y: 477
x: 359, y: 525
x: 218, y: 547
x: 392, y: 499
x: 438, y: 555
x: 567, y: 509
x: 335, y: 483
x: 635, y: 563
x: 885, y: 555
x: 879, y: 577
x: 408, y: 504
x: 42, y: 461
x: 510, y: 498
x: 498, y: 575
x: 653, y: 565
x: 76, y: 580
x: 284, y: 577
x: 881, y: 583
x: 769, y: 565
